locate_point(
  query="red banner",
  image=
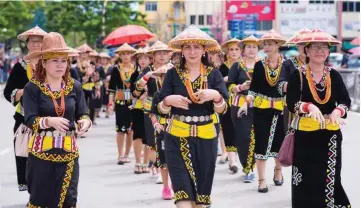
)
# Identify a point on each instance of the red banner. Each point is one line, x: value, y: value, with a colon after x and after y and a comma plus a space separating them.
x: 259, y: 10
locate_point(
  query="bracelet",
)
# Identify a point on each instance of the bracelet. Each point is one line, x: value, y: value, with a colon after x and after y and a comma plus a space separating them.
x: 145, y: 79
x: 165, y: 111
x: 342, y: 111
x: 165, y: 104
x: 155, y: 124
x: 220, y: 105
x: 304, y: 107
x: 239, y: 88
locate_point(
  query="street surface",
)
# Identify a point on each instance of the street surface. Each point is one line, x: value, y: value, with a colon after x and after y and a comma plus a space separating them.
x: 104, y: 184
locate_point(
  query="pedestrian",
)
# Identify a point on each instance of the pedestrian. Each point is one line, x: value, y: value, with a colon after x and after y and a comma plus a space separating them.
x: 319, y: 98
x: 56, y: 111
x: 267, y: 91
x: 120, y: 99
x: 240, y: 77
x: 105, y: 71
x: 190, y: 95
x: 20, y: 75
x: 233, y: 55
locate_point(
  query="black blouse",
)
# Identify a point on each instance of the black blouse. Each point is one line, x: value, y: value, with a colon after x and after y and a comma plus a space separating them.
x: 289, y: 66
x: 259, y: 84
x: 339, y: 93
x: 224, y: 69
x: 173, y: 85
x: 238, y: 75
x: 38, y: 103
x: 116, y: 81
x: 152, y: 84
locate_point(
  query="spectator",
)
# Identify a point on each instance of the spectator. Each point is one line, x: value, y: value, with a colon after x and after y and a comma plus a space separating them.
x: 345, y: 57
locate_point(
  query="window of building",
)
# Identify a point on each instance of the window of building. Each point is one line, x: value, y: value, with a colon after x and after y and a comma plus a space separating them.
x: 193, y: 19
x: 322, y: 2
x: 351, y: 6
x: 151, y: 6
x: 209, y: 19
x: 289, y: 2
x: 264, y: 25
x: 201, y: 19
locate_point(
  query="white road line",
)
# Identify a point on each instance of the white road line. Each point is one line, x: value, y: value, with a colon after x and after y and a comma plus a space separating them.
x: 4, y: 151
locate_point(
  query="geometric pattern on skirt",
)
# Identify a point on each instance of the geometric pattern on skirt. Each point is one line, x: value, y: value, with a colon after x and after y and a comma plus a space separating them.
x: 270, y: 141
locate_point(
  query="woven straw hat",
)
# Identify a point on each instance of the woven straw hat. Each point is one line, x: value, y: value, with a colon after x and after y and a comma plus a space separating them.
x: 125, y: 48
x: 272, y: 35
x: 318, y: 36
x: 33, y: 31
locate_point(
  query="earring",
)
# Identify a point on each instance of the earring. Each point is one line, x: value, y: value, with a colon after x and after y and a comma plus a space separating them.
x: 204, y: 55
x: 182, y: 56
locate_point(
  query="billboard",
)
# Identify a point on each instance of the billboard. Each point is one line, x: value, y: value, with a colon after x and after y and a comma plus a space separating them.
x: 261, y: 10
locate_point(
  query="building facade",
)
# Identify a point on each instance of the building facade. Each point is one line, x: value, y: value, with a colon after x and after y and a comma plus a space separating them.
x: 165, y: 18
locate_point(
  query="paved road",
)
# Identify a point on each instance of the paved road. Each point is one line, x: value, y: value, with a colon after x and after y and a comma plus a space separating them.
x: 105, y: 184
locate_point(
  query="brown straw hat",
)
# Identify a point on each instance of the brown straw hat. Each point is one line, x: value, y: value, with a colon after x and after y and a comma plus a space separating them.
x: 159, y: 46
x: 125, y: 48
x: 318, y: 36
x: 272, y: 35
x: 33, y: 31
x: 225, y: 45
x: 53, y: 44
x: 298, y: 36
x: 85, y: 48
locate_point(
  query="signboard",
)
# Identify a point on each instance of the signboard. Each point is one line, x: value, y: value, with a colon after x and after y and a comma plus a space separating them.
x: 294, y: 17
x: 238, y: 28
x: 261, y: 10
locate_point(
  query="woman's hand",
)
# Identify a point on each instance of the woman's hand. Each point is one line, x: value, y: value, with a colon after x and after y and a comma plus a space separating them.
x: 158, y: 127
x: 163, y: 69
x: 207, y: 95
x: 242, y: 110
x: 59, y: 123
x: 177, y: 101
x: 335, y: 118
x: 316, y: 114
x: 84, y: 125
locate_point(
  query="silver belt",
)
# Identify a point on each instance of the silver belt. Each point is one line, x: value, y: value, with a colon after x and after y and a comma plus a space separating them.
x: 191, y: 118
x: 57, y: 133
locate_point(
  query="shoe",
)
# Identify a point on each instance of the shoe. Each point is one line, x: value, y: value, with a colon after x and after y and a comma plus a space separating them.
x: 223, y: 161
x: 249, y: 178
x: 233, y: 168
x: 167, y: 194
x: 219, y: 152
x: 262, y: 190
x: 120, y: 161
x: 159, y: 179
x: 138, y: 169
x: 277, y: 183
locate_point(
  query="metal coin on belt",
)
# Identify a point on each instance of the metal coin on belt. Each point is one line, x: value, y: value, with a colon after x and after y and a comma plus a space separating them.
x: 201, y: 119
x: 195, y: 119
x: 182, y: 118
x: 188, y: 119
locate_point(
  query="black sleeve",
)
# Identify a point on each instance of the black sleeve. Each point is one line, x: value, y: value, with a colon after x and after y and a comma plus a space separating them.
x: 342, y: 96
x: 156, y: 100
x: 101, y: 72
x: 218, y: 83
x: 81, y: 108
x: 14, y: 83
x: 31, y: 101
x: 224, y: 70
x: 133, y: 82
x: 113, y: 80
x: 233, y: 74
x: 254, y: 88
x: 294, y: 92
x: 167, y: 87
x: 74, y: 74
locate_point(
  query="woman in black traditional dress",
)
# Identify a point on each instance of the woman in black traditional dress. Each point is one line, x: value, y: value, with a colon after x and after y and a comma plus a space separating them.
x: 267, y: 93
x: 190, y: 95
x: 20, y: 74
x: 142, y: 61
x: 240, y: 76
x: 233, y: 54
x: 291, y: 65
x: 56, y: 112
x: 120, y: 94
x: 320, y: 108
x: 160, y: 53
x: 106, y: 68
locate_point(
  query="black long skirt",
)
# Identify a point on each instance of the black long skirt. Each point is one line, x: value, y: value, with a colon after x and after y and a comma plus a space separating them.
x: 20, y: 161
x: 245, y: 140
x: 316, y: 172
x: 159, y: 148
x: 269, y: 132
x: 138, y: 124
x: 52, y: 184
x: 191, y: 164
x: 123, y: 118
x: 149, y: 138
x: 228, y: 132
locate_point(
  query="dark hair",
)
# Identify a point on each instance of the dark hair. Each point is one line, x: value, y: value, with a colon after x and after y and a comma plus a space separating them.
x: 40, y: 72
x: 92, y: 63
x: 204, y: 61
x: 308, y: 58
x: 74, y: 61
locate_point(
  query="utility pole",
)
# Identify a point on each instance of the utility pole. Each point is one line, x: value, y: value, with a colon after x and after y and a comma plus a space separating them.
x: 103, y: 17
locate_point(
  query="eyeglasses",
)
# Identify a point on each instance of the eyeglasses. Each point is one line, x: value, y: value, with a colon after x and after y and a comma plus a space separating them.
x: 319, y: 47
x: 36, y: 42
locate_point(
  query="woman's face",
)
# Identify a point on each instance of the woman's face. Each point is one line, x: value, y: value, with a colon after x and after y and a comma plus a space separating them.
x: 126, y: 57
x: 193, y: 52
x: 251, y: 50
x: 318, y: 52
x: 270, y: 47
x: 176, y: 58
x: 56, y: 67
x: 234, y: 51
x: 143, y: 61
x: 161, y: 57
x: 104, y: 61
x: 34, y: 43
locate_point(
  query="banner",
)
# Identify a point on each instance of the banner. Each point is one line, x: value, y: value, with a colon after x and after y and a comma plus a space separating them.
x: 262, y: 10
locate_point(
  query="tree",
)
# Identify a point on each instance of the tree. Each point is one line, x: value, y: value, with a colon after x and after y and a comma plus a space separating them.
x: 69, y: 17
x: 15, y: 17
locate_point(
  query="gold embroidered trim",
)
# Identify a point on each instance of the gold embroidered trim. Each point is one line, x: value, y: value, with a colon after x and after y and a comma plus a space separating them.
x: 55, y: 157
x: 66, y: 182
x: 250, y: 158
x: 67, y: 89
x: 180, y: 195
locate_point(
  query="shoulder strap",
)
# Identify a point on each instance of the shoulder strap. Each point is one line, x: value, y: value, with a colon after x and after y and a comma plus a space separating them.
x: 301, y: 81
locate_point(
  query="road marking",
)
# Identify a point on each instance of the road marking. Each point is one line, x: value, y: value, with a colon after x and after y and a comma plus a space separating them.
x: 4, y: 151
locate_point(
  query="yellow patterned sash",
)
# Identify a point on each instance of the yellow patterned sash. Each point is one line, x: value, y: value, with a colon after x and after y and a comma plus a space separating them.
x: 308, y: 124
x: 263, y: 103
x: 181, y: 129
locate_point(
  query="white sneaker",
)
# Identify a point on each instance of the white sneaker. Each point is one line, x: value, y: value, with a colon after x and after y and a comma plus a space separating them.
x: 159, y: 179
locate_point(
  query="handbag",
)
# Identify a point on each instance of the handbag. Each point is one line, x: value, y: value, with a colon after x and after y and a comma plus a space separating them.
x: 22, y: 137
x: 285, y: 155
